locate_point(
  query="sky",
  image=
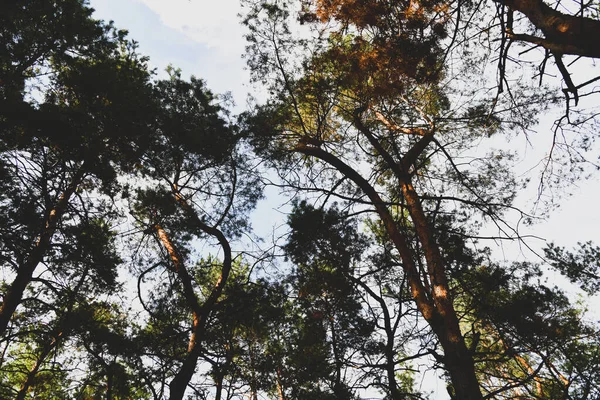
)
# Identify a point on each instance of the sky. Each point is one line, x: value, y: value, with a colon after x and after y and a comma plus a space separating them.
x: 204, y: 38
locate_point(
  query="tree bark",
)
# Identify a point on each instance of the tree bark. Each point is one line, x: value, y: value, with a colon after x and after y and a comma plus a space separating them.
x: 390, y: 362
x: 15, y: 291
x: 109, y: 381
x: 219, y: 376
x: 199, y: 312
x: 62, y: 332
x: 564, y: 33
x: 435, y: 306
x: 280, y: 391
x: 188, y: 367
x: 35, y: 369
x: 444, y: 322
x: 457, y: 357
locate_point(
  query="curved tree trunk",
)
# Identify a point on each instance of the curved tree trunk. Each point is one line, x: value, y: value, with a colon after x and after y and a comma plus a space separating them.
x: 188, y: 367
x: 435, y: 305
x: 280, y: 391
x: 29, y: 380
x: 219, y: 376
x: 200, y: 312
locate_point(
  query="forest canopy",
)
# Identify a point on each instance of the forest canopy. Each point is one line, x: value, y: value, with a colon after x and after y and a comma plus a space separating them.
x: 129, y: 265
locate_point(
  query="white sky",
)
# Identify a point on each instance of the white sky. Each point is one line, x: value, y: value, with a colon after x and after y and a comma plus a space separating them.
x: 212, y: 23
x: 202, y: 38
x: 205, y: 39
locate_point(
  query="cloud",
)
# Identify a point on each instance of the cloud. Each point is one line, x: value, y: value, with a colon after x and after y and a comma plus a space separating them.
x: 214, y: 24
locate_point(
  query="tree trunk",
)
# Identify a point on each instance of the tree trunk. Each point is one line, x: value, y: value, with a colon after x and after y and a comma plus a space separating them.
x: 390, y: 354
x: 14, y: 294
x: 34, y: 370
x: 440, y: 315
x: 188, y: 367
x: 280, y: 391
x: 435, y: 306
x: 199, y: 312
x: 109, y: 381
x: 336, y: 357
x: 564, y: 34
x: 218, y: 385
x: 63, y: 331
x: 457, y: 358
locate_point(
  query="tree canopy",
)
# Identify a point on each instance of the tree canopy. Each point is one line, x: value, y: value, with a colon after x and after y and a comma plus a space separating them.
x: 130, y: 269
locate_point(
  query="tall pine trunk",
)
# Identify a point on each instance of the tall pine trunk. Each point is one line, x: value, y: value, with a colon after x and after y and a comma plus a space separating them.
x: 200, y: 312
x: 432, y: 298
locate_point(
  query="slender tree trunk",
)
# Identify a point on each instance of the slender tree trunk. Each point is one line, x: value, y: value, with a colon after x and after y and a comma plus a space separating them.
x: 48, y: 347
x: 36, y: 367
x: 337, y: 358
x: 199, y: 312
x: 180, y: 381
x: 218, y: 385
x: 280, y: 391
x: 253, y: 380
x: 391, y: 376
x: 109, y: 381
x: 14, y: 293
x: 442, y: 318
x: 390, y: 354
x: 457, y: 357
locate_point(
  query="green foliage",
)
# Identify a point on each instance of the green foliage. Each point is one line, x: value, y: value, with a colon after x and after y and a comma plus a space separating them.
x: 325, y: 246
x: 479, y: 116
x: 33, y: 33
x: 75, y: 112
x: 190, y: 122
x: 581, y: 267
x: 102, y: 168
x: 322, y: 236
x: 520, y: 326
